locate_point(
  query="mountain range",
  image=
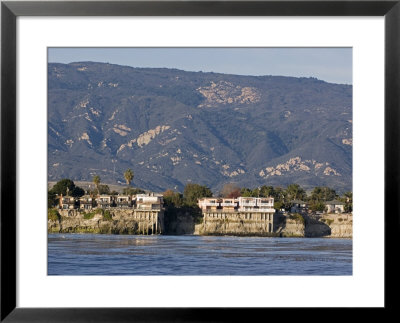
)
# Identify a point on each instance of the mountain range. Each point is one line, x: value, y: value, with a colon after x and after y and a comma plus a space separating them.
x: 173, y: 127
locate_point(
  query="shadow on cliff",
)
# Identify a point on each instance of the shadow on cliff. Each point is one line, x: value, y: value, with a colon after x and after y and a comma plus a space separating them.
x: 279, y: 223
x: 182, y: 220
x: 312, y: 227
x: 290, y: 225
x: 315, y: 228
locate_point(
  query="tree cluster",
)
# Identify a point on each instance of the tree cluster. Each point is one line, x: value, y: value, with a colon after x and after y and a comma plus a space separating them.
x: 189, y: 198
x: 64, y: 187
x: 283, y: 197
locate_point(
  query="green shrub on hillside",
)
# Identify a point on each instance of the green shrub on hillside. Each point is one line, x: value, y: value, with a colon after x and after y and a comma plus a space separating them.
x: 90, y: 215
x: 52, y: 214
x: 107, y: 215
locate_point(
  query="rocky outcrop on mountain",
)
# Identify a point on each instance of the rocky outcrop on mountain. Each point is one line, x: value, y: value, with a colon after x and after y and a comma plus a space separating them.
x: 227, y: 93
x: 296, y: 164
x: 173, y: 127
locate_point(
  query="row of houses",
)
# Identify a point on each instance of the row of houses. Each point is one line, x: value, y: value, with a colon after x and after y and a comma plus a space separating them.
x: 260, y: 204
x: 334, y: 206
x: 153, y: 201
x: 149, y: 201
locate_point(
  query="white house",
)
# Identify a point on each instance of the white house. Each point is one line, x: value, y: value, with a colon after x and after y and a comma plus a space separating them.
x: 334, y: 206
x: 149, y: 201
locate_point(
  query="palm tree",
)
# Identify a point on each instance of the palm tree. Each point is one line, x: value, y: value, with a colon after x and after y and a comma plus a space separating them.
x: 128, y: 176
x: 96, y: 181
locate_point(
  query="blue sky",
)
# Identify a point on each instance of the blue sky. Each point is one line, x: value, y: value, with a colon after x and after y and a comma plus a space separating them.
x: 333, y: 65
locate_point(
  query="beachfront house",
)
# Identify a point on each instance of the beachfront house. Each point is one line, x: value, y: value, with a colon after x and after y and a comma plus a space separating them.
x: 67, y: 202
x: 209, y: 203
x: 255, y: 213
x: 229, y: 204
x: 247, y: 203
x: 265, y: 204
x: 334, y: 206
x: 105, y: 201
x: 86, y: 202
x: 298, y: 206
x: 241, y: 204
x: 123, y: 201
x: 150, y: 201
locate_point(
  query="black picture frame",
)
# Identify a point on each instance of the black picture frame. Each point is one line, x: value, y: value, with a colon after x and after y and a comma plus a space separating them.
x: 10, y: 10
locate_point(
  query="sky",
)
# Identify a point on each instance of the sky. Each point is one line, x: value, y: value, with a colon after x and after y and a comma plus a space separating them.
x: 333, y: 65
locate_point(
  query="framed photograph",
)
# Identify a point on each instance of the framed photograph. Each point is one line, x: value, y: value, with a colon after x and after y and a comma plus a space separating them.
x: 176, y: 160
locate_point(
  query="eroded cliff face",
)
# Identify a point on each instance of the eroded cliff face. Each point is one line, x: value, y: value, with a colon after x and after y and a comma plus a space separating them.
x: 235, y: 228
x: 118, y: 222
x: 122, y: 222
x: 341, y: 225
x: 329, y: 226
x: 290, y: 227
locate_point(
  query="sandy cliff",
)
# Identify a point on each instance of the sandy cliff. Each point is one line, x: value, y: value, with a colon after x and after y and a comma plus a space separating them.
x: 122, y: 222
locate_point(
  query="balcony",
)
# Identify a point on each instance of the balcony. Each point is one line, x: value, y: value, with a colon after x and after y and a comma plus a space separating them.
x: 67, y: 200
x: 256, y: 210
x: 265, y: 209
x: 229, y: 204
x: 247, y: 203
x: 148, y: 207
x: 266, y: 205
x: 123, y: 202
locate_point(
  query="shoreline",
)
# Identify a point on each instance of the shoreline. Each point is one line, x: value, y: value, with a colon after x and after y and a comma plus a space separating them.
x: 198, y: 235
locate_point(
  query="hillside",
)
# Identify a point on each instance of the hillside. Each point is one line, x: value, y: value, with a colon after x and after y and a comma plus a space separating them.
x: 172, y: 127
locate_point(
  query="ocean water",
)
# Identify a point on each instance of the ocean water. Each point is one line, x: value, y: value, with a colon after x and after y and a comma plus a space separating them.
x: 94, y: 254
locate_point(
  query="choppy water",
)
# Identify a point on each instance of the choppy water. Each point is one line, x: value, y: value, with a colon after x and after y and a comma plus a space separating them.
x: 90, y: 254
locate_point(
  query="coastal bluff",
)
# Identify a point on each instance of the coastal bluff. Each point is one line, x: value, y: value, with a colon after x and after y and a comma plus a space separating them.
x: 121, y: 221
x: 290, y: 225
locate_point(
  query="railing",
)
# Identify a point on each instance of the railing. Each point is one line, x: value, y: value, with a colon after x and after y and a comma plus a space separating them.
x: 148, y: 207
x: 248, y: 204
x: 257, y: 210
x: 239, y: 211
x: 157, y: 210
x: 219, y: 211
x: 266, y: 205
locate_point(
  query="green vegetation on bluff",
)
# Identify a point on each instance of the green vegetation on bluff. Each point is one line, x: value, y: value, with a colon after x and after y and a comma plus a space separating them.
x: 186, y: 202
x: 52, y: 214
x: 90, y: 215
